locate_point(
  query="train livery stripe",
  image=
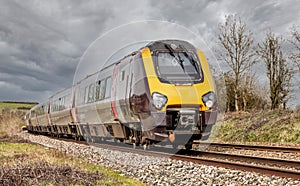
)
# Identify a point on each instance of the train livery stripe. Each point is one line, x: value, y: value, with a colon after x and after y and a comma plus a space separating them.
x: 113, y: 92
x: 77, y: 114
x: 71, y: 115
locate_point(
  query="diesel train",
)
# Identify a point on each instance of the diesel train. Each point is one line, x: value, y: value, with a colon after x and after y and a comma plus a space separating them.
x: 163, y: 92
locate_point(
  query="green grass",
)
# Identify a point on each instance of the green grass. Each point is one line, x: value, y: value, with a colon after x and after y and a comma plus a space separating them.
x: 276, y: 126
x: 28, y: 164
x: 39, y: 158
x: 16, y: 105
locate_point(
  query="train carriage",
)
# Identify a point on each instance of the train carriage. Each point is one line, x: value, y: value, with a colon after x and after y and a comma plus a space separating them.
x: 162, y: 92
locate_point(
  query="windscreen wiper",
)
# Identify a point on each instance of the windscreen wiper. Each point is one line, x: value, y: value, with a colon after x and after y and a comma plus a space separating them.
x: 191, y: 58
x: 172, y: 53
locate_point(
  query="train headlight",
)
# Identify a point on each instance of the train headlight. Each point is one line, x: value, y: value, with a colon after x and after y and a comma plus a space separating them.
x: 209, y: 99
x: 159, y: 100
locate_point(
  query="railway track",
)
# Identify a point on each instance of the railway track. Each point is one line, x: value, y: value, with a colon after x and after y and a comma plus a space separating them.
x: 251, y: 147
x: 267, y: 166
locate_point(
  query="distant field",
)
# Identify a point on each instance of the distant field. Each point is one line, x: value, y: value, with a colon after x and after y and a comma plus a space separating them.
x: 17, y: 105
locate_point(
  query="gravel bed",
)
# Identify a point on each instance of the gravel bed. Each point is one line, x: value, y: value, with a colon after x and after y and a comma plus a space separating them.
x: 159, y: 171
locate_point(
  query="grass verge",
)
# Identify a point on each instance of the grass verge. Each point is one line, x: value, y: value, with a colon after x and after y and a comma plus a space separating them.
x: 22, y: 163
x: 274, y: 126
x: 29, y: 164
x: 16, y: 105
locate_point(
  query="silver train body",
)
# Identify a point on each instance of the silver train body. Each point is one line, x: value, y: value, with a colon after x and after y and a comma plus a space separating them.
x: 136, y: 99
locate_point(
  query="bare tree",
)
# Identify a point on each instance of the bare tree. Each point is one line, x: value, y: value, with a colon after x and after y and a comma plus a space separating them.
x: 296, y: 43
x: 247, y: 89
x: 229, y: 84
x: 251, y: 95
x: 236, y: 50
x: 278, y: 71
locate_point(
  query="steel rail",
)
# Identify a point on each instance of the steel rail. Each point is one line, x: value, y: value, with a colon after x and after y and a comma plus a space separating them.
x: 211, y: 159
x: 219, y: 160
x: 252, y: 147
x: 272, y: 171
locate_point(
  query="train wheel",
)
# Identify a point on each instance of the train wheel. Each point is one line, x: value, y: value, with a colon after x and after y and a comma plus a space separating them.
x: 188, y: 146
x: 175, y: 146
x: 88, y: 139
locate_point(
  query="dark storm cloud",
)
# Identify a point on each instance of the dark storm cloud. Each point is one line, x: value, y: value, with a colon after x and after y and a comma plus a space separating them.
x: 41, y: 42
x: 203, y: 17
x: 28, y: 57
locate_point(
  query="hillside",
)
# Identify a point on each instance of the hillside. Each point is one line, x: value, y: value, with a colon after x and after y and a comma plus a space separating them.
x: 11, y: 122
x: 277, y: 126
x: 11, y: 118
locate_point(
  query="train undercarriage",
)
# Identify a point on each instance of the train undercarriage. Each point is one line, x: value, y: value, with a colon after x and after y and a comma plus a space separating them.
x: 180, y: 127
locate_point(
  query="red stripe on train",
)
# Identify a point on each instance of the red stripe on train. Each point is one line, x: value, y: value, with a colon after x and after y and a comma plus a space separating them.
x: 113, y: 93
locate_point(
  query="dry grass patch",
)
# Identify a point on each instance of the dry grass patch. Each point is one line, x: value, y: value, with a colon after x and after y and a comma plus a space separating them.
x: 30, y: 164
x: 43, y: 173
x: 11, y: 122
x: 22, y: 163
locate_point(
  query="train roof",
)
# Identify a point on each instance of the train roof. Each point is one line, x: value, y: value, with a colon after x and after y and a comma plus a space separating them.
x: 154, y: 45
x: 161, y: 44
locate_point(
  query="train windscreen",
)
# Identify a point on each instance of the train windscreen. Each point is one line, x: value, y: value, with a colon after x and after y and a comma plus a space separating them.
x: 178, y: 68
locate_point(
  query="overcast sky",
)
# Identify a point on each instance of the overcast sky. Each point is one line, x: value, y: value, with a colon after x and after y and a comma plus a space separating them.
x: 41, y: 42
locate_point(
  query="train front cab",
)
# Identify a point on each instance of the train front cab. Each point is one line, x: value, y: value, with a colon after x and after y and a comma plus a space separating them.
x: 178, y: 111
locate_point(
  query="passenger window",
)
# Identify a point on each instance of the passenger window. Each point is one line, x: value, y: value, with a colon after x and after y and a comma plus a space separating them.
x: 82, y: 96
x: 102, y: 90
x: 86, y: 94
x: 91, y: 93
x: 73, y: 100
x: 61, y: 103
x: 108, y: 87
x: 122, y: 75
x: 97, y: 90
x: 54, y: 106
